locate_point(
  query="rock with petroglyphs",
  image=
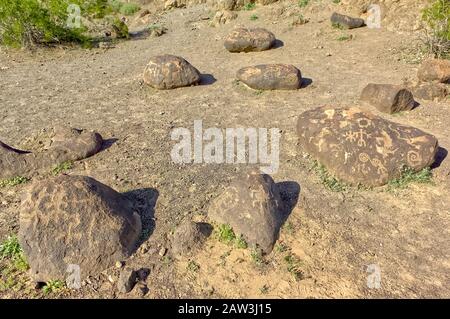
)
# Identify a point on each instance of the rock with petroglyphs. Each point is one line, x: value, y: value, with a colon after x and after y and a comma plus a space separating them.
x: 271, y: 77
x: 252, y: 206
x: 388, y: 98
x: 75, y: 220
x: 169, y: 72
x: 249, y: 39
x: 434, y: 70
x: 346, y: 22
x: 48, y: 148
x: 430, y: 91
x: 359, y: 147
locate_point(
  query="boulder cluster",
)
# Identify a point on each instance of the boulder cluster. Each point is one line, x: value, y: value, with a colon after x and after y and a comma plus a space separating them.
x: 75, y: 220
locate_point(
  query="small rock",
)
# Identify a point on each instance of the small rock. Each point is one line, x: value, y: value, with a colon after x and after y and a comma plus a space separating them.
x: 247, y: 40
x: 169, y: 72
x: 346, y: 21
x: 437, y: 70
x: 223, y: 17
x: 162, y: 251
x: 119, y: 264
x: 271, y: 77
x: 127, y: 280
x: 141, y: 289
x: 144, y: 13
x: 388, y: 98
x: 189, y: 237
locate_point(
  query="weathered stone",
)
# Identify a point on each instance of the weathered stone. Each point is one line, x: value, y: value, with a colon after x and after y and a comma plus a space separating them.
x: 388, y: 98
x: 223, y: 17
x: 346, y: 21
x: 169, y: 72
x: 220, y: 5
x: 430, y: 91
x: 271, y: 77
x: 247, y: 40
x: 252, y: 206
x: 437, y: 70
x: 57, y: 146
x: 127, y: 280
x: 75, y: 220
x: 188, y: 238
x: 359, y: 147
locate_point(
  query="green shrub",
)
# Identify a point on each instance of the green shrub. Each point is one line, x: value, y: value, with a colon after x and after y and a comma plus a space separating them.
x: 62, y: 167
x: 129, y: 9
x: 408, y: 175
x: 25, y: 23
x: 14, y: 181
x: 303, y: 3
x: 249, y: 6
x: 437, y: 18
x: 32, y: 22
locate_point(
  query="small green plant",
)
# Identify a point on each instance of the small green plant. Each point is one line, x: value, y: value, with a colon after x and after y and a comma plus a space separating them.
x: 10, y: 249
x: 437, y: 18
x: 344, y: 37
x: 337, y: 26
x: 293, y: 264
x: 241, y: 243
x: 303, y: 3
x: 249, y: 6
x: 120, y: 28
x: 62, y: 167
x: 329, y: 181
x: 408, y: 175
x: 336, y: 1
x: 264, y: 289
x: 281, y: 247
x: 14, y: 181
x: 225, y: 234
x: 53, y: 286
x: 192, y: 266
x: 254, y: 17
x: 129, y: 9
x: 257, y: 256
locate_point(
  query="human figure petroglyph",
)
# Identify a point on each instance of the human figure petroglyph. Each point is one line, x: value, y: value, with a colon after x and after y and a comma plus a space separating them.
x: 368, y: 149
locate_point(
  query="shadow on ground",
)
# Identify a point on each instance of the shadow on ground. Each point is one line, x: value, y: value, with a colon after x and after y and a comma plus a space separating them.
x: 144, y: 201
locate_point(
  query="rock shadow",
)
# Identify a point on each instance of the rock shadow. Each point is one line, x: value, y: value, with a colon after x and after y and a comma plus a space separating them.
x: 144, y: 202
x: 441, y: 154
x: 107, y: 143
x: 306, y: 82
x: 277, y: 44
x: 289, y: 193
x: 207, y: 79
